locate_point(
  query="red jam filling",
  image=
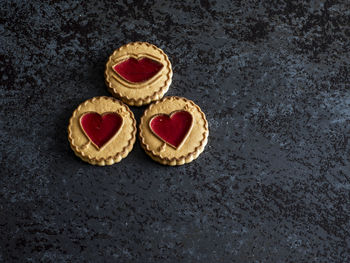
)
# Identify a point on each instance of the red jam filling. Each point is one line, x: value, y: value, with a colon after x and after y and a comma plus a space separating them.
x: 172, y: 129
x: 138, y: 70
x: 101, y: 128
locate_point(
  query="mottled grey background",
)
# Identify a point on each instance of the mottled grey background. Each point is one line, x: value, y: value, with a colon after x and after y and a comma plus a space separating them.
x: 273, y: 184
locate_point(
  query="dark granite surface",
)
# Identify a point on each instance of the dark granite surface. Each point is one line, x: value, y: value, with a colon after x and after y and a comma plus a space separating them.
x: 273, y: 184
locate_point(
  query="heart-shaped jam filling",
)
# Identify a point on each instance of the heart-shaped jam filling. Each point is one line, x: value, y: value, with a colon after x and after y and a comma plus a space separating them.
x: 138, y: 70
x: 172, y: 129
x: 100, y: 128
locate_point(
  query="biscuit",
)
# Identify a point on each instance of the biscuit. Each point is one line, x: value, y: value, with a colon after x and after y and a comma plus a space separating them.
x: 102, y: 131
x: 173, y: 131
x: 138, y: 73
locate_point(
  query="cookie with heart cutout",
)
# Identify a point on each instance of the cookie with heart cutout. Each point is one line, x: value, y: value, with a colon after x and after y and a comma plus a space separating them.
x: 138, y: 73
x: 173, y: 131
x: 102, y: 131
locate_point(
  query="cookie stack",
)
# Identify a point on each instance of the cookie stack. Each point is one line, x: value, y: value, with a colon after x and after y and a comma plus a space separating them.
x: 172, y: 131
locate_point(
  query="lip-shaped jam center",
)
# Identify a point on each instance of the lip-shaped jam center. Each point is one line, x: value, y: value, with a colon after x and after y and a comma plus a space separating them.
x: 100, y: 128
x: 138, y: 70
x: 172, y: 129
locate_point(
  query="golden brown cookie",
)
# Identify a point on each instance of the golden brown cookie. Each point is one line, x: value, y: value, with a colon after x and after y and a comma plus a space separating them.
x: 102, y: 131
x: 138, y: 73
x: 173, y: 131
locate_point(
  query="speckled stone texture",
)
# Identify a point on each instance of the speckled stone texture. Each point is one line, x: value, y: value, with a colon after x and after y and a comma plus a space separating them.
x: 273, y: 184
